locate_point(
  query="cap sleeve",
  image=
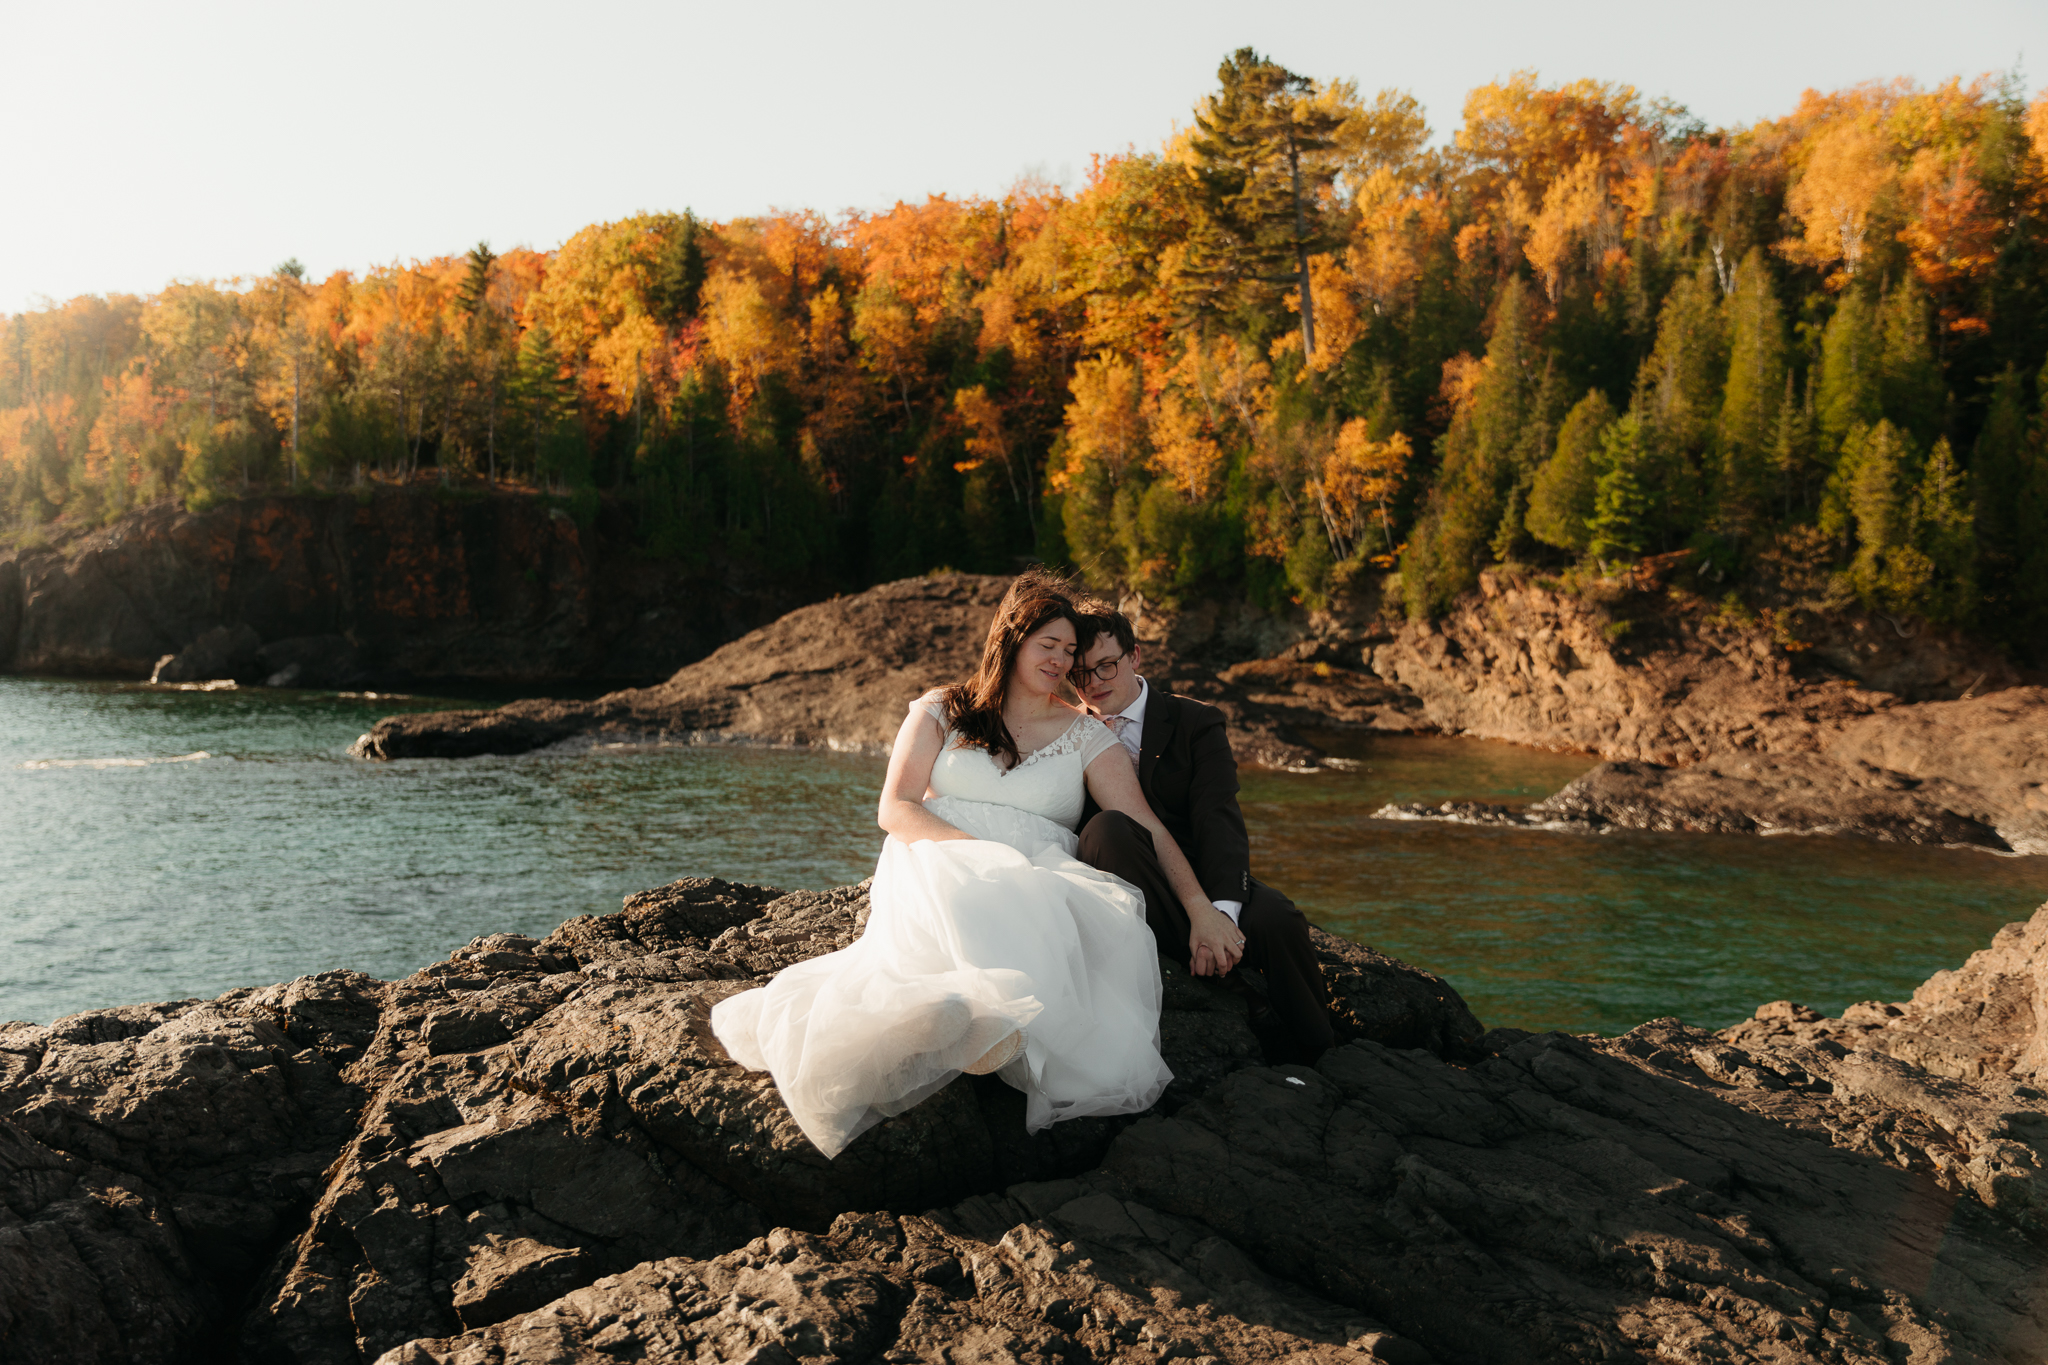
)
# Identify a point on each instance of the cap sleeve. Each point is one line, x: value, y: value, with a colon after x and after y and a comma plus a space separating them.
x: 1096, y: 740
x: 931, y: 704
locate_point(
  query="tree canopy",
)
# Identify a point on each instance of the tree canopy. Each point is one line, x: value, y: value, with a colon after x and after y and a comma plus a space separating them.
x: 1298, y: 348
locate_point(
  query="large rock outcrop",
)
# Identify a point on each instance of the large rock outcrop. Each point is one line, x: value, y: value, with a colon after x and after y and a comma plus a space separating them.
x: 338, y: 589
x: 534, y: 1152
x: 1958, y: 772
x: 835, y: 674
x: 331, y: 1169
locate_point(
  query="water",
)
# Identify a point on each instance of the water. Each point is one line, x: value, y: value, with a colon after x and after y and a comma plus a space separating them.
x: 1601, y: 932
x: 127, y: 876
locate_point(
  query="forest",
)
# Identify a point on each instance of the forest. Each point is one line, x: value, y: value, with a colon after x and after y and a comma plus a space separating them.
x: 1303, y: 349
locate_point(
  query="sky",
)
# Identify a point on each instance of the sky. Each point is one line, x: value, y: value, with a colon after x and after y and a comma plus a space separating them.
x: 147, y: 143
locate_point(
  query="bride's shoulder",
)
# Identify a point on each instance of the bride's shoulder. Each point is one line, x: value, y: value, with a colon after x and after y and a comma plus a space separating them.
x: 933, y: 704
x: 1084, y: 722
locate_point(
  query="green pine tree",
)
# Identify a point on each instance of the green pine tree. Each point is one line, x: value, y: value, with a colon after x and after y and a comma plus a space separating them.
x: 1909, y: 377
x: 1850, y: 373
x: 1876, y: 478
x: 1561, y: 499
x: 544, y: 399
x: 677, y: 278
x: 1793, y: 459
x: 1262, y: 162
x: 1751, y: 405
x: 2010, y: 479
x: 1622, y: 520
x: 1943, y: 532
x: 1494, y: 443
x: 476, y: 284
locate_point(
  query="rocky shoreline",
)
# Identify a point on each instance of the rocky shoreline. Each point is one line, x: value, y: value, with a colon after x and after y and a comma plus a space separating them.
x: 534, y: 1152
x: 1705, y: 725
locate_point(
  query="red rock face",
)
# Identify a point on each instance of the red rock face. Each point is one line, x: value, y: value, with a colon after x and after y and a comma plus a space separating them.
x: 501, y: 587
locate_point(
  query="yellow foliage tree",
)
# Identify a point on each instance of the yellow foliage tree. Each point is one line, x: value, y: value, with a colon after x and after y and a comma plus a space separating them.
x: 1576, y: 216
x: 1848, y: 168
x: 1105, y: 421
x: 1360, y: 476
x: 747, y: 335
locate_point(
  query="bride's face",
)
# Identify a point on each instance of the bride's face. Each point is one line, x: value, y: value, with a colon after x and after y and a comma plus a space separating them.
x: 1044, y: 659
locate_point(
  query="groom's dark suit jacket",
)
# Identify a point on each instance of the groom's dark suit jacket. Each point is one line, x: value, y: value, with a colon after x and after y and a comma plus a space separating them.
x: 1188, y: 775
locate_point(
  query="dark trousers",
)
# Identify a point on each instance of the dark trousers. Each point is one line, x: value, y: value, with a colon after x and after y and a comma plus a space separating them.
x: 1276, y: 941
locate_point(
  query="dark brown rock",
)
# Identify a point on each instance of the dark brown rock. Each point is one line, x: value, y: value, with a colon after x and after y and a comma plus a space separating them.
x: 1669, y: 1194
x: 534, y: 1151
x: 835, y: 674
x: 838, y: 674
x: 1567, y: 1200
x: 1985, y: 1021
x: 1048, y: 1272
x: 1958, y: 772
x: 153, y: 1157
x: 1771, y: 794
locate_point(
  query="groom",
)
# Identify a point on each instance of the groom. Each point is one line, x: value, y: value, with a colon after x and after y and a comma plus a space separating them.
x: 1187, y: 773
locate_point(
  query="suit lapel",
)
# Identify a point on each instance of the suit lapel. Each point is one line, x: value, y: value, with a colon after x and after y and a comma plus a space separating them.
x: 1158, y: 730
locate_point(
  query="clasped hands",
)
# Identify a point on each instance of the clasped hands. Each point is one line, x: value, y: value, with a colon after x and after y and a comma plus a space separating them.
x: 1215, y: 945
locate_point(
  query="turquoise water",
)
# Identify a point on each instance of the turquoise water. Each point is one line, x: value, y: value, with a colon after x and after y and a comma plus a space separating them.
x: 131, y: 870
x: 1601, y: 932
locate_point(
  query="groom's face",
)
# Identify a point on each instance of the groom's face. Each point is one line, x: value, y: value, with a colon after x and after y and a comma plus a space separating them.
x: 1119, y: 692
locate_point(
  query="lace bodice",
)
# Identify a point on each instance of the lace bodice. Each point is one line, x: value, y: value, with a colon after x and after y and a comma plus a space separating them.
x: 973, y: 792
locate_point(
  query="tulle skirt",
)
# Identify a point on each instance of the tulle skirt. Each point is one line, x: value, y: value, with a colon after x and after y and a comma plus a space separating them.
x: 967, y: 941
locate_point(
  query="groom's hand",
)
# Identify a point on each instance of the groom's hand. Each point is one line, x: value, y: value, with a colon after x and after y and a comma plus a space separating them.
x: 1214, y: 942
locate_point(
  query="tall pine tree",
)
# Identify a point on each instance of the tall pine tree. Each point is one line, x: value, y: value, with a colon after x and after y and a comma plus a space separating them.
x: 1262, y: 160
x: 1753, y: 399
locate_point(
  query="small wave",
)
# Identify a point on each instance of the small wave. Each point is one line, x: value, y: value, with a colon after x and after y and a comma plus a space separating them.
x: 41, y: 763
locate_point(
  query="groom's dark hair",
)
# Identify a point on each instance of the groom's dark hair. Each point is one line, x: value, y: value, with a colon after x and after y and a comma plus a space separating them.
x: 1099, y: 618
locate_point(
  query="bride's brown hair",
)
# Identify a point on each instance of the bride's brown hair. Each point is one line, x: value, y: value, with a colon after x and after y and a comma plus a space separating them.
x: 975, y: 708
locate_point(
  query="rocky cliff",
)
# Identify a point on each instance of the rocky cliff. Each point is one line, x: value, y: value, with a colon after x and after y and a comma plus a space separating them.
x: 1716, y: 724
x: 383, y: 588
x: 535, y: 1152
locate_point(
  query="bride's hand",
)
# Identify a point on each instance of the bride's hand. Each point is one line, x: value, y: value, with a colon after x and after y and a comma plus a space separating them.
x: 1214, y: 943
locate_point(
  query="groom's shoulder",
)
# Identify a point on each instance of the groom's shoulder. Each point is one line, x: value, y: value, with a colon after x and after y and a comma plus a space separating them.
x: 1192, y: 714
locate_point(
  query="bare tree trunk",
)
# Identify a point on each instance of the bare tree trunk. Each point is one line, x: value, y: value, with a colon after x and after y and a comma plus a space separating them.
x: 1308, y: 307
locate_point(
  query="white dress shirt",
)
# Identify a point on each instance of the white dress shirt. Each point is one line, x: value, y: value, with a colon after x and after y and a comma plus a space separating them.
x: 1129, y: 727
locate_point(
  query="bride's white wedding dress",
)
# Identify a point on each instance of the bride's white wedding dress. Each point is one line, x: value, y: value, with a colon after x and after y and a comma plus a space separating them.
x: 968, y: 941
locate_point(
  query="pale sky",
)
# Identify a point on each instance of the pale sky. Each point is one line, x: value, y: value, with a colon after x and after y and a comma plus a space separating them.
x: 144, y: 143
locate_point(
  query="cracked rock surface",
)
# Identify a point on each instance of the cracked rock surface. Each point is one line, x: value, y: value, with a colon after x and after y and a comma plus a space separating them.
x: 331, y: 1169
x: 534, y: 1152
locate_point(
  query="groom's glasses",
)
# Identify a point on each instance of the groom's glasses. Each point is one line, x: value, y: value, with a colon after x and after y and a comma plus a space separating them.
x: 1102, y: 672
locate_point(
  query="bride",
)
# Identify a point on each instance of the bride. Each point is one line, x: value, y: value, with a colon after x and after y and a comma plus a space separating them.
x: 988, y: 947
